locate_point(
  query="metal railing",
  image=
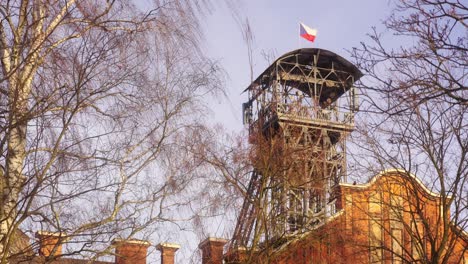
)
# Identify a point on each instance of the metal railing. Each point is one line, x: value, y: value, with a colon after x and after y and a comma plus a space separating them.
x: 307, y: 113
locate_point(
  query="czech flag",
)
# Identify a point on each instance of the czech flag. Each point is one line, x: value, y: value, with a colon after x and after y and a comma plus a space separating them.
x: 308, y: 33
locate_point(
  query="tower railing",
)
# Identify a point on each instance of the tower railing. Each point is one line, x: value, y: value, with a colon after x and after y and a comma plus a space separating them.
x: 330, y: 116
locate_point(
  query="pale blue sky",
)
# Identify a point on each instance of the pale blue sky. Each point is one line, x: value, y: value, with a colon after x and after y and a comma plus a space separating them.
x: 341, y: 25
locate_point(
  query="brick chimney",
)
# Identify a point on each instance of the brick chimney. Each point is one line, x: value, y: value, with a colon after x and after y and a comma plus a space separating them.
x: 237, y: 255
x: 212, y: 250
x: 50, y: 244
x: 130, y: 251
x: 167, y: 252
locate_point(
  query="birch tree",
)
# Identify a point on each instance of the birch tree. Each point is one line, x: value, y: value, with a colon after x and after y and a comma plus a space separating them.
x: 95, y: 99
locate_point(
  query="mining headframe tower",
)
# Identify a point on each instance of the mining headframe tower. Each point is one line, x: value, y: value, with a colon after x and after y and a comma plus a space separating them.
x: 299, y: 113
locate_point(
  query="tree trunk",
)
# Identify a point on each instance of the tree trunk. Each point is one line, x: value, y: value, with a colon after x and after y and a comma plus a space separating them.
x: 13, y: 178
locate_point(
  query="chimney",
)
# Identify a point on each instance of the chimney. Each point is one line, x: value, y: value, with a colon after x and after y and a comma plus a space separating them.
x: 50, y: 244
x: 167, y: 252
x: 212, y: 250
x: 237, y: 255
x: 130, y: 251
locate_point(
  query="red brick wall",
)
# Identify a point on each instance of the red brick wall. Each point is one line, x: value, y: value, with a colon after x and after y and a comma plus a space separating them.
x: 391, y: 203
x: 131, y: 252
x: 212, y: 250
x: 168, y: 252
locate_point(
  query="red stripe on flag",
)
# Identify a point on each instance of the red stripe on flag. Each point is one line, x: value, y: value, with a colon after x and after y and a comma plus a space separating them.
x: 308, y: 37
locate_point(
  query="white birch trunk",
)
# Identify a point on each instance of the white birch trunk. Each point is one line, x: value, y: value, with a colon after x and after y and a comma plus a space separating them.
x: 13, y: 179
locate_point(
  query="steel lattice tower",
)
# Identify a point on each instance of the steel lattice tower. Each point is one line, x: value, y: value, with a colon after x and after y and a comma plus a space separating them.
x: 299, y: 113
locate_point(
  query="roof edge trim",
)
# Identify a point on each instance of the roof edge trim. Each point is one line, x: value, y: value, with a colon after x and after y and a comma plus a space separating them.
x: 394, y: 171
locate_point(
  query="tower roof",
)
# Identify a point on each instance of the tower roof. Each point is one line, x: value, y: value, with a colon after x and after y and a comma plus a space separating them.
x: 325, y: 60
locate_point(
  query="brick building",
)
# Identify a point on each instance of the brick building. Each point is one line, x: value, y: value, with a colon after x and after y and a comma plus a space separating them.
x: 392, y: 219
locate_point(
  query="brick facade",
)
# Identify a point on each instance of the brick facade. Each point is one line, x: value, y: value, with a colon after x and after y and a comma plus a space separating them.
x: 392, y: 219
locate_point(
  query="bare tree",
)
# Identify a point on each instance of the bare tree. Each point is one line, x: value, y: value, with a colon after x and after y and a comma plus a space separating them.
x: 414, y: 116
x: 95, y: 99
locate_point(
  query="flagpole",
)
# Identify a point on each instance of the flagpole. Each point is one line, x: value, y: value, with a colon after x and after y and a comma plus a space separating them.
x: 299, y: 36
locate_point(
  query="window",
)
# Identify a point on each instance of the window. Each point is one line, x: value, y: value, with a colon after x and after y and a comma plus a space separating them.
x: 349, y: 211
x: 375, y: 239
x: 375, y: 228
x: 396, y: 214
x: 396, y: 207
x: 375, y: 204
x: 397, y: 248
x: 418, y: 241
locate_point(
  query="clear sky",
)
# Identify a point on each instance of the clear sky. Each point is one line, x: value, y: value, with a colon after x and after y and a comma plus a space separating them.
x: 341, y: 25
